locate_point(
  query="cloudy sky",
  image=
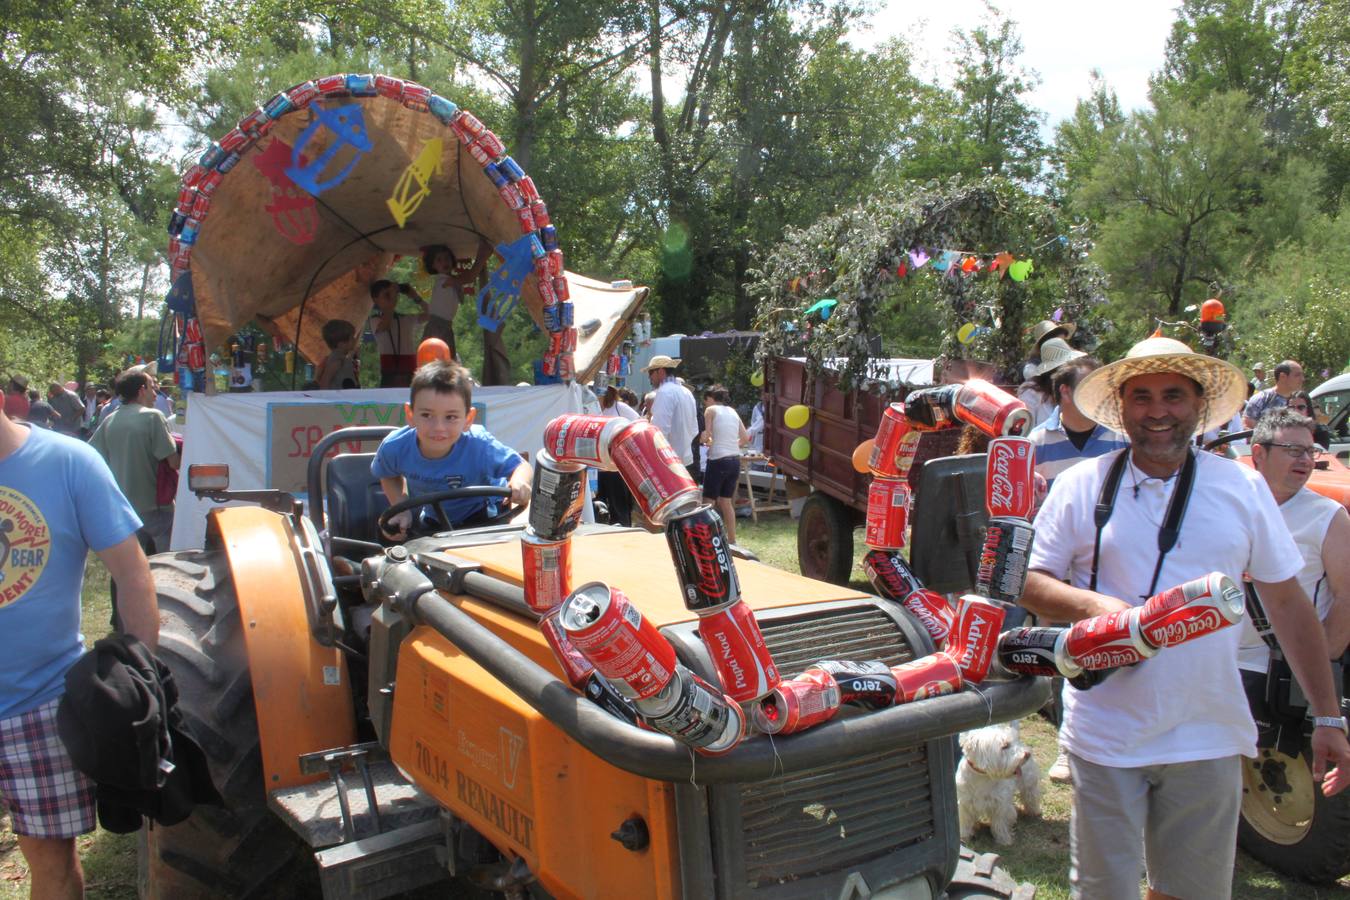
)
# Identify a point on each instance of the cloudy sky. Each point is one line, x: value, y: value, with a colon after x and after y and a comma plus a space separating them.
x: 1063, y: 40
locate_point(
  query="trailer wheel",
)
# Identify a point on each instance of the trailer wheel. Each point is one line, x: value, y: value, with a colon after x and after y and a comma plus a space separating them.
x: 1288, y: 824
x: 240, y: 850
x: 825, y: 539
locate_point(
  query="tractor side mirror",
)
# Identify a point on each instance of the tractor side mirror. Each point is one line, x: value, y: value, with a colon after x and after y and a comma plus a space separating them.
x: 208, y: 478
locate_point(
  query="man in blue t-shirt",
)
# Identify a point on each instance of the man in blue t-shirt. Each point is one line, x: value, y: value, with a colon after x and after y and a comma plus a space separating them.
x: 442, y: 449
x: 58, y: 501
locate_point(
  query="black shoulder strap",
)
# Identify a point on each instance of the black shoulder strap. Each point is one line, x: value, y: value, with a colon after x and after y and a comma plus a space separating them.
x: 1171, y: 527
x: 1106, y: 503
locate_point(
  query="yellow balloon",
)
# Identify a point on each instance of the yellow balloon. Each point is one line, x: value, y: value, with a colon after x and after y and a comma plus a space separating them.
x: 800, y: 448
x: 757, y: 378
x: 796, y: 416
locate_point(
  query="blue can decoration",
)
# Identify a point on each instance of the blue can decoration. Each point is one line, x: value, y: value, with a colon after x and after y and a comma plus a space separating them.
x: 510, y: 168
x: 441, y: 108
x: 212, y: 157
x: 361, y: 85
x: 553, y: 318
x: 278, y: 106
x: 567, y: 314
x: 549, y: 235
x: 228, y: 163
x: 536, y: 247
x: 625, y: 365
x: 496, y: 175
x: 188, y: 235
x: 176, y: 222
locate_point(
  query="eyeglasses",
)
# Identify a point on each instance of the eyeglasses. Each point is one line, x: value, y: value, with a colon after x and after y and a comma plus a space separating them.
x: 1297, y: 451
x: 1300, y: 407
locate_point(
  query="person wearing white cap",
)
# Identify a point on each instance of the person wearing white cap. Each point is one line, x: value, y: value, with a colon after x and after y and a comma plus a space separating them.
x: 673, y: 410
x: 1156, y: 749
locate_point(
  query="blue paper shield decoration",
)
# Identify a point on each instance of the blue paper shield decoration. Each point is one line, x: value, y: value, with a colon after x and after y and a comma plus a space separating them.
x: 349, y: 129
x: 502, y: 293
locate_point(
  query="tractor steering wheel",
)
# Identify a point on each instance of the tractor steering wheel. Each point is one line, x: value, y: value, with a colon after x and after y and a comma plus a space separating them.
x: 437, y: 498
x: 1229, y: 438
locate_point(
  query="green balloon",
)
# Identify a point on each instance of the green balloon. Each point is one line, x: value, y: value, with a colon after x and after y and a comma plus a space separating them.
x: 800, y: 448
x: 757, y: 378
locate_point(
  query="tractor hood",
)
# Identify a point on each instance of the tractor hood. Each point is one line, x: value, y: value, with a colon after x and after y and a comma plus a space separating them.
x: 291, y: 216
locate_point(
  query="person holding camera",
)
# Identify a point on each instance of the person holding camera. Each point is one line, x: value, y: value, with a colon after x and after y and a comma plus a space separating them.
x: 396, y: 335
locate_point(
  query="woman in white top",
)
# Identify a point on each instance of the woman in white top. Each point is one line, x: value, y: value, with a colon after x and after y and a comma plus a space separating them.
x: 610, y: 485
x: 724, y: 435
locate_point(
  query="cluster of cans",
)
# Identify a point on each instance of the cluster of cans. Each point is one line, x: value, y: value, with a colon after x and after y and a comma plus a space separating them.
x: 1009, y: 496
x: 975, y: 402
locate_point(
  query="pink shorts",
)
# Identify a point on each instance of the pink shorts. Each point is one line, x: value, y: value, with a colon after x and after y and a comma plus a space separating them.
x: 46, y: 796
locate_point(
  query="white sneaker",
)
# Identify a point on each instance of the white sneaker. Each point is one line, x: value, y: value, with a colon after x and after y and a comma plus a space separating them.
x: 1059, y: 772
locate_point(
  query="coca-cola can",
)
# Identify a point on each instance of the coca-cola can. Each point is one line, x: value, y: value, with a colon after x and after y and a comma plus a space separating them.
x: 887, y: 513
x: 567, y: 366
x: 560, y: 288
x: 388, y: 86
x: 931, y: 408
x: 695, y: 713
x: 555, y: 263
x: 602, y: 694
x: 510, y: 195
x: 1108, y: 641
x: 540, y: 212
x: 525, y: 219
x: 569, y: 335
x: 870, y: 684
x: 466, y: 125
x: 491, y: 145
x: 1198, y: 607
x: 576, y: 668
x: 699, y: 546
x: 933, y: 611
x: 743, y: 661
x: 653, y: 472
x: 527, y: 188
x: 892, y: 430
x: 974, y: 636
x: 547, y: 570
x: 555, y: 498
x: 991, y: 409
x: 584, y: 439
x: 1010, y: 477
x: 1002, y: 573
x: 795, y: 705
x: 935, y: 675
x: 890, y: 574
x: 415, y: 96
x: 545, y: 290
x: 1036, y: 651
x: 549, y: 365
x: 623, y: 646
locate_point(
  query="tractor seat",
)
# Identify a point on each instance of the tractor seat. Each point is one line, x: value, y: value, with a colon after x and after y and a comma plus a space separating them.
x: 353, y: 498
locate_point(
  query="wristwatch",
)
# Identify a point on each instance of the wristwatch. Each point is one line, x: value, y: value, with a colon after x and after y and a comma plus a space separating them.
x: 1337, y: 722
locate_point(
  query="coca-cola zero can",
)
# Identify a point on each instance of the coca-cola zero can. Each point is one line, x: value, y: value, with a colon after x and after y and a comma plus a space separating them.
x: 1002, y: 573
x: 699, y: 546
x: 869, y: 684
x: 887, y: 513
x: 695, y: 713
x: 1036, y: 651
x: 795, y: 705
x: 890, y: 574
x: 555, y: 498
x: 974, y: 636
x: 743, y: 661
x: 991, y: 409
x: 546, y: 571
x: 623, y: 646
x: 935, y: 675
x: 1198, y: 607
x: 602, y: 694
x: 892, y: 430
x: 933, y: 611
x: 1108, y: 641
x: 1010, y: 477
x: 931, y: 408
x: 653, y: 472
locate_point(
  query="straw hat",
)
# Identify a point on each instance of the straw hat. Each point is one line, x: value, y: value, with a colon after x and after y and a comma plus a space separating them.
x: 1046, y: 329
x: 661, y: 361
x: 1225, y: 387
x: 1055, y: 352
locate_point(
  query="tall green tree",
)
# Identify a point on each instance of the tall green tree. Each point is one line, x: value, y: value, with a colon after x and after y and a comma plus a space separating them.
x: 1082, y: 139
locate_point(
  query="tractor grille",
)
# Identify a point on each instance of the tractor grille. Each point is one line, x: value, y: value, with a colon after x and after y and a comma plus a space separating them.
x: 831, y: 818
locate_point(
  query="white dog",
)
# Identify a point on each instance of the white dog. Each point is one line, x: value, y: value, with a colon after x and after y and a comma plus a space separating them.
x: 995, y: 764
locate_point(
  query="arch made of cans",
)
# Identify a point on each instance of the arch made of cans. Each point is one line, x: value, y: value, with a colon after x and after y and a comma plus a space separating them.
x: 239, y: 271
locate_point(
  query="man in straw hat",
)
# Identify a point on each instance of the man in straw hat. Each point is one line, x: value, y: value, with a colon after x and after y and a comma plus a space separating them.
x: 1155, y: 749
x: 673, y: 410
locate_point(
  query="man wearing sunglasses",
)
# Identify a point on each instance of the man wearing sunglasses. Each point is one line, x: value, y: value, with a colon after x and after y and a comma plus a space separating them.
x: 1284, y: 452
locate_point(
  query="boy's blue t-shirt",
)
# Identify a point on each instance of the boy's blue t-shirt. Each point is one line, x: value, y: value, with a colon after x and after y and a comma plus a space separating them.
x: 58, y: 500
x: 477, y: 458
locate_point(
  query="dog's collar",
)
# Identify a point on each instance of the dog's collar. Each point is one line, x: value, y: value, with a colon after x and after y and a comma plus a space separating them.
x: 980, y: 771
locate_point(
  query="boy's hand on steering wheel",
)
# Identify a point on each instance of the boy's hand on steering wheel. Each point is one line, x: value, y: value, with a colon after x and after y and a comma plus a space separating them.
x: 400, y: 523
x: 520, y: 493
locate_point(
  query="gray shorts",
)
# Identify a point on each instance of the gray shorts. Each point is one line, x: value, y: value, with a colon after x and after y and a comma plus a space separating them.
x: 1180, y: 820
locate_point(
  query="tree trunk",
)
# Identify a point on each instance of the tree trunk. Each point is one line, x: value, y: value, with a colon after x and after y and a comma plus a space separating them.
x: 526, y: 97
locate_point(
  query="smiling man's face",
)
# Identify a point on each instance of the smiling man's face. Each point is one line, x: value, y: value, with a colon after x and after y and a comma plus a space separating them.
x: 1160, y: 413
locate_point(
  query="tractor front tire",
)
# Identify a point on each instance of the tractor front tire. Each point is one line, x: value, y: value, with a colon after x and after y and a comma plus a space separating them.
x: 240, y: 850
x: 825, y: 539
x: 1286, y: 821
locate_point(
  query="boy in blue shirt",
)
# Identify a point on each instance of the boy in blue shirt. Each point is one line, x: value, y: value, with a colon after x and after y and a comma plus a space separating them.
x: 442, y: 449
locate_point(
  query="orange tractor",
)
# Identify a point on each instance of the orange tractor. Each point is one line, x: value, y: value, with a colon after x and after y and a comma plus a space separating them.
x: 393, y: 714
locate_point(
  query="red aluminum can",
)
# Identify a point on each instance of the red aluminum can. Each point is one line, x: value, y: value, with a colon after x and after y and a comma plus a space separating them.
x: 192, y: 330
x: 576, y: 668
x: 1109, y: 641
x: 193, y: 176
x: 415, y: 96
x: 653, y: 472
x: 887, y: 513
x: 1035, y: 651
x: 490, y: 144
x: 201, y: 206
x: 546, y: 295
x: 569, y: 338
x: 894, y: 426
x: 546, y: 571
x: 930, y: 676
x: 1198, y: 607
x: 555, y: 497
x: 699, y: 546
x: 991, y: 409
x: 388, y: 86
x: 744, y: 664
x: 466, y: 123
x: 303, y: 94
x: 797, y: 704
x: 479, y: 155
x: 527, y: 189
x: 584, y: 439
x: 525, y: 218
x: 234, y: 140
x: 256, y: 124
x: 332, y: 85
x: 540, y: 212
x: 1002, y: 573
x: 694, y: 713
x: 567, y: 366
x: 549, y: 364
x: 1010, y: 477
x: 904, y: 457
x: 186, y: 197
x: 560, y: 288
x: 933, y: 611
x: 890, y: 575
x: 974, y: 636
x: 511, y: 196
x: 622, y: 645
x: 196, y: 354
x: 555, y: 263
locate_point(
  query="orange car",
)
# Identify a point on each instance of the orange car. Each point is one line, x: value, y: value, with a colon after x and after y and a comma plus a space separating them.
x: 1330, y: 478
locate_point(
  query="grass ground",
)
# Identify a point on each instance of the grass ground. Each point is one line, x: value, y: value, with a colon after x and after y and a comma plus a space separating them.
x: 1039, y: 854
